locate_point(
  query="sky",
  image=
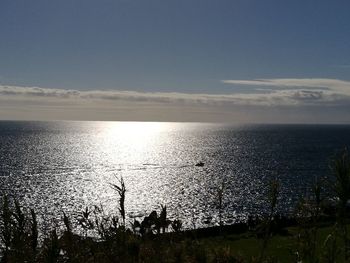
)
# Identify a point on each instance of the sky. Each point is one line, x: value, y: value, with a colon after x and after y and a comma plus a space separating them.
x: 234, y: 61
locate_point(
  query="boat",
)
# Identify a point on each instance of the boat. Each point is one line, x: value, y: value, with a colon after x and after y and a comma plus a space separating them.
x: 200, y: 164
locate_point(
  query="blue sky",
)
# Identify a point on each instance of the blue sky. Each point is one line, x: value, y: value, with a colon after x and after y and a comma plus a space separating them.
x: 182, y: 46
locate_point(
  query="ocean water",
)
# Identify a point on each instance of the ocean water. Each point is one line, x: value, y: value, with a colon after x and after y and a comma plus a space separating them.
x: 66, y: 166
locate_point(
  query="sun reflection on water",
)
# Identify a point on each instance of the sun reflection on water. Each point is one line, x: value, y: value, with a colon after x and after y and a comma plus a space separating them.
x: 131, y: 141
x: 133, y: 132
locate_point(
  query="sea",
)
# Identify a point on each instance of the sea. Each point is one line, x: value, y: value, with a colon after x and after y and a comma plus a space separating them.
x: 63, y: 166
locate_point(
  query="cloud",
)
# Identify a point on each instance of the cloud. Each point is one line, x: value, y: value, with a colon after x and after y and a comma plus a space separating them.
x: 289, y: 100
x: 331, y: 92
x: 334, y: 85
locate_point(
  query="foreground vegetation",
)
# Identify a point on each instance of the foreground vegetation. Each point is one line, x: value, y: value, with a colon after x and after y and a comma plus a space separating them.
x: 318, y: 232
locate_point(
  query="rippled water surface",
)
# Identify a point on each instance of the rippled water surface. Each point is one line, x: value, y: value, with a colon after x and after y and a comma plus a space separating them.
x: 58, y: 166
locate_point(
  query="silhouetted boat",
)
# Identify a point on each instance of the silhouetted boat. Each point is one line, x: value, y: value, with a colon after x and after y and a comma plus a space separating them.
x: 200, y: 164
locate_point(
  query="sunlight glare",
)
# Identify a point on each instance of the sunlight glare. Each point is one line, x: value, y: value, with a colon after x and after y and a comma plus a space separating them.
x: 135, y: 138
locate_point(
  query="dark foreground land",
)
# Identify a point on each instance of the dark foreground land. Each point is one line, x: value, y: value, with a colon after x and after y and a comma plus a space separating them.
x: 318, y: 232
x: 286, y: 241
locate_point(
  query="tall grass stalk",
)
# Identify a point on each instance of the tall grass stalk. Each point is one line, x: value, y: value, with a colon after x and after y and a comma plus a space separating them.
x: 308, y: 214
x: 341, y: 187
x: 273, y: 195
x: 121, y: 190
